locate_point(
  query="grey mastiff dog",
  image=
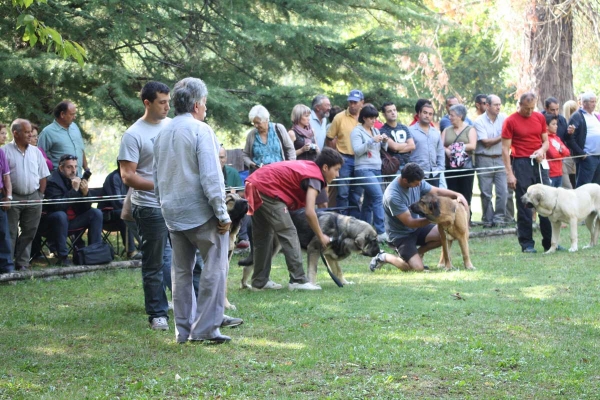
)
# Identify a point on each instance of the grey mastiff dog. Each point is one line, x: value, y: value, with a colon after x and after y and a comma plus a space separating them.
x: 349, y: 235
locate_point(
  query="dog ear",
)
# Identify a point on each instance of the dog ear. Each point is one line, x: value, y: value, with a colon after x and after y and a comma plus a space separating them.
x: 360, y: 241
x: 434, y: 205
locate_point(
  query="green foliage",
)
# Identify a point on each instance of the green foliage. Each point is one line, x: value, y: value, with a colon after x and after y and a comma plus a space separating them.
x: 275, y: 52
x: 472, y: 60
x: 36, y: 31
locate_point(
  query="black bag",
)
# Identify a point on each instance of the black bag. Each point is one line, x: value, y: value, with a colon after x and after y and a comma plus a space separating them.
x: 94, y: 254
x: 389, y: 163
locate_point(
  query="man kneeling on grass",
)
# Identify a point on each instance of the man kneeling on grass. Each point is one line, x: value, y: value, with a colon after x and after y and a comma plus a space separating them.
x: 272, y: 191
x: 407, y: 230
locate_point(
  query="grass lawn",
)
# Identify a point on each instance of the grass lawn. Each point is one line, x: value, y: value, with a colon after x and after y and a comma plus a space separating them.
x: 528, y: 328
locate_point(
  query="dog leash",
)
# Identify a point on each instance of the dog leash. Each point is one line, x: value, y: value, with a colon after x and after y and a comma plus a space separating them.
x: 333, y: 277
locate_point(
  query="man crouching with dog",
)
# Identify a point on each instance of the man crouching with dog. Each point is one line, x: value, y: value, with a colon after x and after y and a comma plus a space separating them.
x: 405, y: 229
x: 272, y: 191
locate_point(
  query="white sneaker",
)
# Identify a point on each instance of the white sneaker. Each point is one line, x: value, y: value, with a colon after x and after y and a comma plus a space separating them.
x: 269, y: 286
x: 382, y: 237
x: 303, y: 286
x: 159, y: 324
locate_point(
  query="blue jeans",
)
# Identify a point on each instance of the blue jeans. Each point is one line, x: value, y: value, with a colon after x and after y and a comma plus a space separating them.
x: 6, y: 259
x: 348, y: 195
x: 372, y: 207
x: 59, y: 225
x: 156, y: 274
x: 588, y: 170
x: 556, y: 182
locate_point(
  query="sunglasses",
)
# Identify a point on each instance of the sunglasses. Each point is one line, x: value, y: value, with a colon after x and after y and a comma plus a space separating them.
x: 67, y: 157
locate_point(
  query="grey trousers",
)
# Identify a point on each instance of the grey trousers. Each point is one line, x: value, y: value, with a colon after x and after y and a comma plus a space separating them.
x: 488, y: 179
x: 199, y: 318
x: 273, y: 218
x: 23, y: 221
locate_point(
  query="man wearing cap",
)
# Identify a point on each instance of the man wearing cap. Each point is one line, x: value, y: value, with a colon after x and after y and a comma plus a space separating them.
x: 340, y: 129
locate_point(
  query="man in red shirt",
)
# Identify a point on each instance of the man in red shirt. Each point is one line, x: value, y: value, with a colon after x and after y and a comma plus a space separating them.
x: 272, y: 191
x: 524, y: 132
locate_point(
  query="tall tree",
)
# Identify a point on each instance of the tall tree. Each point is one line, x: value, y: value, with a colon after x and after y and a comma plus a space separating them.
x: 277, y: 52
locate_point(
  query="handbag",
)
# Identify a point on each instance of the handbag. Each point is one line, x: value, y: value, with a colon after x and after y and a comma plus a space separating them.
x: 459, y: 158
x: 94, y: 254
x: 389, y: 163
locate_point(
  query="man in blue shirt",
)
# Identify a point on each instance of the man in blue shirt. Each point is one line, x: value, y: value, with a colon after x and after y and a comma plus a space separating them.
x: 405, y: 229
x: 63, y: 136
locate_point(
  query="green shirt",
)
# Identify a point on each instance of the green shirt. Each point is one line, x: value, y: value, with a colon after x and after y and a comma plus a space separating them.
x: 232, y: 178
x: 58, y: 141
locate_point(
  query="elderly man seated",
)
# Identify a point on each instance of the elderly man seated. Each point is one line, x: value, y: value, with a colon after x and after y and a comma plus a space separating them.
x: 64, y: 217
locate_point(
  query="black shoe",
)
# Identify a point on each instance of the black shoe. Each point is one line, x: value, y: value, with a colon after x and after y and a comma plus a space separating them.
x: 246, y: 262
x: 560, y: 248
x: 7, y: 270
x: 216, y: 340
x: 231, y: 322
x: 529, y: 250
x: 64, y: 262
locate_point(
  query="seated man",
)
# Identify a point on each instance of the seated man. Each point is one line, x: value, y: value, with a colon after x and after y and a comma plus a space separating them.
x: 62, y: 217
x: 111, y: 209
x: 407, y: 230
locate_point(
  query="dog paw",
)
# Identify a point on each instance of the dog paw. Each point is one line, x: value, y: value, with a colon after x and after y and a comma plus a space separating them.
x: 573, y: 249
x: 244, y: 285
x: 442, y: 265
x: 586, y: 247
x: 230, y: 306
x: 345, y: 282
x: 550, y: 251
x: 470, y: 267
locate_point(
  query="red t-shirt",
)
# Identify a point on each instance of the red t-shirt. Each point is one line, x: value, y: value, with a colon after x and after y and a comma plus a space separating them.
x: 526, y: 133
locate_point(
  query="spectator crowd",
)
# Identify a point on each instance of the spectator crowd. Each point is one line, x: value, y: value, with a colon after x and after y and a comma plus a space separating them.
x: 175, y: 175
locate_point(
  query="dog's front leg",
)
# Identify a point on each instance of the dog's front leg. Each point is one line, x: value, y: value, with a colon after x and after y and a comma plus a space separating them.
x: 555, y: 236
x: 246, y: 275
x: 445, y: 257
x: 464, y: 248
x: 313, y: 252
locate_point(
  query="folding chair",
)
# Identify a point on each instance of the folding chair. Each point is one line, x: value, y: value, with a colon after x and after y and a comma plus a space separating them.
x: 110, y: 224
x: 73, y: 236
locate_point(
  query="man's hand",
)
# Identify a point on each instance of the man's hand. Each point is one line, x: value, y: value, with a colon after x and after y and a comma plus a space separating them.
x: 75, y: 182
x: 511, y: 181
x: 223, y: 227
x: 539, y: 155
x: 5, y: 207
x: 84, y: 186
x: 463, y: 200
x: 325, y: 241
x: 570, y: 129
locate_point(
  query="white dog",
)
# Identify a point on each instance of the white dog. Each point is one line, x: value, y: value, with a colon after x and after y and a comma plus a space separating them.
x: 568, y: 206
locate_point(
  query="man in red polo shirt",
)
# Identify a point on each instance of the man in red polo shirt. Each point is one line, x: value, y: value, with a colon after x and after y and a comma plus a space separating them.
x: 272, y: 191
x: 524, y: 133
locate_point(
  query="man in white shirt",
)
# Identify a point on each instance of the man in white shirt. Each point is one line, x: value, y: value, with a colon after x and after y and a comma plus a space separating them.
x: 318, y: 118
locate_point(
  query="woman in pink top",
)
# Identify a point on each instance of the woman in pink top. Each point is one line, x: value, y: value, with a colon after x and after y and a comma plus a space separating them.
x: 34, y: 142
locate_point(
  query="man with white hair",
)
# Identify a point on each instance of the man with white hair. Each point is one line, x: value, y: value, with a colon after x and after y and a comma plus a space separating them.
x: 190, y: 188
x: 135, y: 160
x: 318, y: 117
x: 488, y: 156
x: 585, y: 140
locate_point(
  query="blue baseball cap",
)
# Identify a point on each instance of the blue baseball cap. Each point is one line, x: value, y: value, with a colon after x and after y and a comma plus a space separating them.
x: 356, y: 95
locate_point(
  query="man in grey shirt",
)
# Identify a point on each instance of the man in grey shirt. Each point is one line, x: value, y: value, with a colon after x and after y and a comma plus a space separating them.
x: 28, y: 174
x: 407, y: 230
x: 190, y: 188
x: 135, y: 159
x: 429, y: 149
x: 488, y: 155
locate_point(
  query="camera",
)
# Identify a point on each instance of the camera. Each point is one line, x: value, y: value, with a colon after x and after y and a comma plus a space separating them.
x: 313, y: 147
x: 86, y: 175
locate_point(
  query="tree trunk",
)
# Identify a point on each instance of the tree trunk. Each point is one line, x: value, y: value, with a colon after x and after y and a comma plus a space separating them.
x: 550, y: 42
